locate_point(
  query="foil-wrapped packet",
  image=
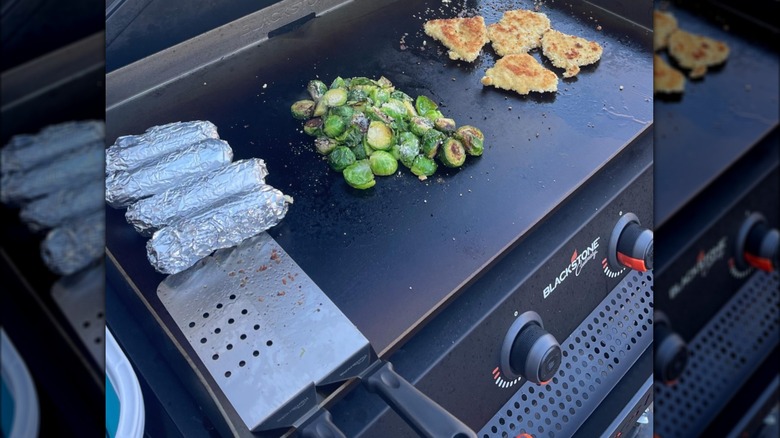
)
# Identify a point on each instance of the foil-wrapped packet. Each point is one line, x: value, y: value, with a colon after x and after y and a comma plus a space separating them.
x: 181, y: 244
x: 150, y: 214
x: 24, y: 152
x: 72, y: 246
x: 76, y: 168
x: 132, y: 151
x: 171, y: 170
x: 63, y: 205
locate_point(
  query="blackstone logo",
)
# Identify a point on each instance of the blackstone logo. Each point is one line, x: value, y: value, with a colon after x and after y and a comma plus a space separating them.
x: 704, y: 262
x: 578, y: 261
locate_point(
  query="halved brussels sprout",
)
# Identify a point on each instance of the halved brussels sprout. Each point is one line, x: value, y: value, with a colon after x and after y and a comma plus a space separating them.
x: 472, y: 139
x: 345, y: 112
x: 379, y: 96
x: 341, y: 158
x: 334, y: 126
x: 379, y: 136
x: 384, y: 82
x: 359, y: 175
x: 361, y: 121
x: 302, y: 109
x: 316, y: 89
x: 351, y: 137
x: 383, y: 163
x: 425, y: 105
x: 431, y: 141
x: 420, y: 125
x: 325, y: 145
x: 321, y: 109
x: 395, y: 109
x: 313, y: 127
x: 335, y: 97
x: 423, y: 167
x: 452, y: 153
x: 406, y: 152
x: 339, y: 82
x: 445, y: 125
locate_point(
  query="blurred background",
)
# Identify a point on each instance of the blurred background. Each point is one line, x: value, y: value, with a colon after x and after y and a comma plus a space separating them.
x: 51, y: 141
x: 717, y: 314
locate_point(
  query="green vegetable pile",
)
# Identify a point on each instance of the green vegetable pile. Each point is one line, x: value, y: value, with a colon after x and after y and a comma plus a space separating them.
x: 365, y: 127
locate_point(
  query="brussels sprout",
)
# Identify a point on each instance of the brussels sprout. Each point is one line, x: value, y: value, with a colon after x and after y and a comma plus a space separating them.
x: 321, y: 109
x: 472, y: 139
x: 325, y: 145
x: 316, y: 89
x: 383, y: 163
x: 351, y: 137
x: 335, y: 97
x: 355, y: 96
x: 361, y: 81
x: 445, y: 125
x: 302, y: 109
x: 420, y: 125
x: 379, y: 136
x: 408, y: 137
x: 375, y: 113
x: 334, y: 126
x: 345, y: 112
x: 452, y: 153
x: 423, y: 167
x: 395, y: 109
x: 340, y: 158
x: 359, y: 175
x: 361, y: 121
x: 384, y: 82
x: 360, y: 151
x: 433, y: 115
x: 431, y: 141
x: 379, y: 96
x: 339, y: 82
x: 400, y: 95
x: 313, y: 127
x: 406, y: 152
x: 410, y: 111
x: 425, y: 105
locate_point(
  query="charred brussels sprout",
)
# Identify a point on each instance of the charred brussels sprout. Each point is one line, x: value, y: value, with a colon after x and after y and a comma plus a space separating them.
x: 445, y: 125
x: 452, y: 153
x: 420, y: 125
x: 313, y: 127
x: 361, y: 121
x: 375, y: 113
x: 340, y: 158
x: 334, y: 126
x: 302, y: 109
x: 431, y: 141
x: 383, y: 163
x: 325, y: 145
x: 472, y: 139
x: 359, y: 175
x: 379, y: 136
x: 423, y: 166
x: 316, y: 89
x: 425, y: 105
x: 335, y: 97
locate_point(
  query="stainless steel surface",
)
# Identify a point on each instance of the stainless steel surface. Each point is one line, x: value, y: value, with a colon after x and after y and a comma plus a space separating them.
x: 151, y: 214
x: 181, y: 244
x: 260, y: 326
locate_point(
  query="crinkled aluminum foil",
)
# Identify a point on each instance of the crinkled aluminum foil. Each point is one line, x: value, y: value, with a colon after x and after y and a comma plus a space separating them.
x: 132, y: 151
x: 73, y: 246
x: 181, y: 244
x: 63, y: 205
x: 150, y: 214
x: 172, y: 170
x: 25, y: 151
x: 76, y: 168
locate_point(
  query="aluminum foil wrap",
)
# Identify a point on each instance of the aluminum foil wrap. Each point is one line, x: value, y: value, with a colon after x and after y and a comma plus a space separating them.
x: 173, y: 169
x: 150, y: 214
x: 24, y: 152
x: 63, y: 205
x: 78, y: 167
x: 132, y: 151
x: 181, y: 244
x: 73, y: 246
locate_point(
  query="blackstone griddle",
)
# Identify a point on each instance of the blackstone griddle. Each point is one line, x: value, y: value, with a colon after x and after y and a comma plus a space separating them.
x: 393, y: 257
x: 717, y: 160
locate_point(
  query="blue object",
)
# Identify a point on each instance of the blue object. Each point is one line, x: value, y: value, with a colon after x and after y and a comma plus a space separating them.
x: 8, y: 410
x: 112, y: 409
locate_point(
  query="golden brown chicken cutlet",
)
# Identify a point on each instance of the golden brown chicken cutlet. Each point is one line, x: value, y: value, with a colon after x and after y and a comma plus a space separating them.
x: 666, y: 79
x: 521, y: 73
x: 463, y: 36
x: 569, y: 52
x: 696, y: 52
x: 664, y: 24
x: 518, y: 32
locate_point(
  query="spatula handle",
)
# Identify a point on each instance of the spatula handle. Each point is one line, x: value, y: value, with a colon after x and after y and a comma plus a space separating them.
x: 426, y: 417
x: 322, y: 427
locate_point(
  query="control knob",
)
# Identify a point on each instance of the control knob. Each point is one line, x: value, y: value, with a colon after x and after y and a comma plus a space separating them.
x: 670, y: 352
x: 758, y: 244
x: 530, y: 351
x: 630, y: 245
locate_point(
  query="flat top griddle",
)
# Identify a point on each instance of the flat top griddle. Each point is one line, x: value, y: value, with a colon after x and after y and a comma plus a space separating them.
x: 718, y: 118
x: 390, y: 256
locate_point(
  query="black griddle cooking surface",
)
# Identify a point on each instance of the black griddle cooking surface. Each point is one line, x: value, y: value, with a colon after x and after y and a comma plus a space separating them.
x: 390, y: 256
x: 717, y: 119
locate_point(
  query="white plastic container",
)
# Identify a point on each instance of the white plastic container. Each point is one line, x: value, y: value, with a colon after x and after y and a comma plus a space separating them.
x: 17, y: 380
x: 131, y: 402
